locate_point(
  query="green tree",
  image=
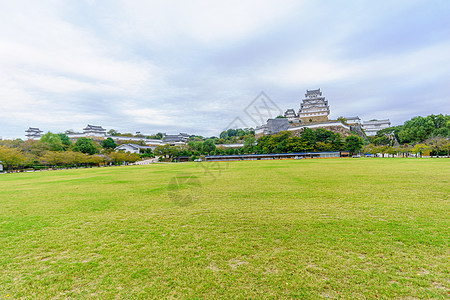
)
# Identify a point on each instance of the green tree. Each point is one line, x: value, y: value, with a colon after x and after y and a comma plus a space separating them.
x: 208, y: 146
x: 309, y: 138
x: 420, y: 149
x: 249, y: 142
x: 52, y: 158
x: 12, y: 157
x: 109, y: 144
x: 418, y: 129
x: 198, y: 145
x: 85, y: 145
x: 353, y: 144
x: 65, y: 140
x: 224, y: 135
x: 113, y: 132
x: 52, y: 141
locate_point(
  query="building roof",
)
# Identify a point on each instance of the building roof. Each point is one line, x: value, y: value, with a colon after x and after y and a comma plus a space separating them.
x: 181, y: 137
x: 385, y: 121
x: 313, y: 92
x: 94, y: 127
x: 133, y: 146
x: 33, y: 129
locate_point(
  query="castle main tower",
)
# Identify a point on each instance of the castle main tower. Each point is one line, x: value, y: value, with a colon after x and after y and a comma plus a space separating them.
x: 314, y: 108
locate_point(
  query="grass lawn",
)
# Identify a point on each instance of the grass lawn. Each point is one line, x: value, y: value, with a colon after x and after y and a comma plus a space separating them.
x: 330, y: 228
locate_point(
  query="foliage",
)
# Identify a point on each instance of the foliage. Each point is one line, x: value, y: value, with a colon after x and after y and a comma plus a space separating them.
x: 342, y: 120
x: 120, y: 156
x: 12, y: 157
x: 65, y: 140
x: 208, y: 146
x: 109, y: 144
x: 282, y: 142
x: 146, y: 152
x: 52, y: 141
x: 85, y: 145
x: 233, y: 136
x: 419, y: 129
x: 33, y: 147
x: 249, y: 141
x: 167, y: 151
x: 157, y: 136
x: 353, y: 144
x: 113, y: 132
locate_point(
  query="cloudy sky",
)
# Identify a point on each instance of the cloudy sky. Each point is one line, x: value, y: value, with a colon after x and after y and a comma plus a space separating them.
x: 196, y: 66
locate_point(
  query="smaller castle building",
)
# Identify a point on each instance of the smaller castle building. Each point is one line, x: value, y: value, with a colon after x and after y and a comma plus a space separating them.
x: 93, y: 130
x: 291, y: 115
x: 372, y: 127
x: 353, y: 120
x: 33, y: 133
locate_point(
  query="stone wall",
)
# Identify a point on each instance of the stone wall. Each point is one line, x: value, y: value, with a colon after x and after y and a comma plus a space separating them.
x: 335, y: 128
x: 318, y: 119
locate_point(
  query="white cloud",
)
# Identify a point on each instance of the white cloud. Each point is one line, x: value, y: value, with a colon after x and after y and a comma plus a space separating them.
x: 208, y: 22
x: 158, y: 64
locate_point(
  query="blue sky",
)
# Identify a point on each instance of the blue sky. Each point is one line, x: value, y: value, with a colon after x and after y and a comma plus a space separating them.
x: 194, y: 66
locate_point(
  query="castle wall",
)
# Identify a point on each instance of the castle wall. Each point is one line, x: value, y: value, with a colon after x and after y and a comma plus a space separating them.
x: 336, y: 128
x: 314, y: 119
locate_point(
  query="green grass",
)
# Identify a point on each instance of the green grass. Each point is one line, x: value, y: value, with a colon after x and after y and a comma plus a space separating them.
x: 332, y: 228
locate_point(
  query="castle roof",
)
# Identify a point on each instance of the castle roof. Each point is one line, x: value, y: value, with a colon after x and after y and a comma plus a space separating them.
x: 94, y: 128
x: 313, y: 92
x: 374, y: 122
x: 33, y: 129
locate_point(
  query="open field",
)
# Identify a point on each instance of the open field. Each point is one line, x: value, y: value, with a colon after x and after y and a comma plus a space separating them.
x: 332, y: 228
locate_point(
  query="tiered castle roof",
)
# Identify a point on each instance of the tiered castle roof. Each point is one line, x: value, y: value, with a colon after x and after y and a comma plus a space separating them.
x: 33, y: 132
x: 314, y: 105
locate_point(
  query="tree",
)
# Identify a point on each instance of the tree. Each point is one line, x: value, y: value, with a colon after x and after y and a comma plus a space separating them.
x: 198, y: 145
x: 113, y: 132
x: 163, y: 151
x: 33, y: 147
x: 322, y: 146
x: 420, y: 148
x: 157, y: 136
x: 51, y: 158
x: 371, y: 149
x: 419, y: 129
x: 446, y: 146
x: 146, y: 152
x: 436, y: 143
x: 85, y: 145
x: 12, y: 157
x: 309, y: 138
x: 208, y: 146
x: 391, y: 150
x: 109, y: 144
x: 65, y: 140
x: 353, y: 144
x: 224, y: 135
x: 52, y: 141
x: 249, y: 142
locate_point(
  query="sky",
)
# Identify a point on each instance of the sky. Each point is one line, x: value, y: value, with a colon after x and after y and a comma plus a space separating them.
x: 200, y: 67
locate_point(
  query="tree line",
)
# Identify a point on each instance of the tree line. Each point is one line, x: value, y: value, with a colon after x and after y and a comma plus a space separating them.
x: 57, y: 150
x: 419, y: 135
x: 284, y: 142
